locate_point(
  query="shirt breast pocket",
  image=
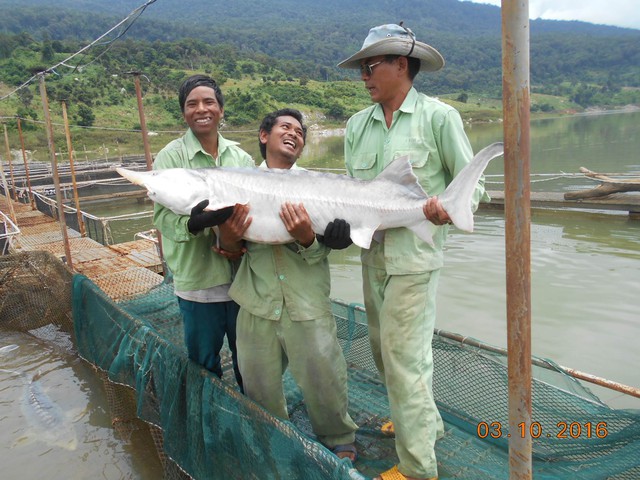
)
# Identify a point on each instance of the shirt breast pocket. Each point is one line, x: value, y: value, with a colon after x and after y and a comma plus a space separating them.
x: 417, y: 158
x: 363, y: 166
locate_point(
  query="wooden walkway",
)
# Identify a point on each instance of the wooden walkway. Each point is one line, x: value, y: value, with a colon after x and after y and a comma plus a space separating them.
x: 625, y: 202
x: 121, y: 271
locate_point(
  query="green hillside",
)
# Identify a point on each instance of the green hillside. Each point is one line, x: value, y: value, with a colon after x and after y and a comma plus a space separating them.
x: 285, y: 53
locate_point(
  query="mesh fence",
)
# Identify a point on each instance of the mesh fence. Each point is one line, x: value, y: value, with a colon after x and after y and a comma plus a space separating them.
x: 205, y: 429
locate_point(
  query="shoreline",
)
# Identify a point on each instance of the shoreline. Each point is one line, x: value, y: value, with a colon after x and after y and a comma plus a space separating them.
x: 319, y: 131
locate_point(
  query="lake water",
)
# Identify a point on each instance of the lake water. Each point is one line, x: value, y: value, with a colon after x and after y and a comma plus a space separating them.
x: 64, y: 430
x: 585, y: 275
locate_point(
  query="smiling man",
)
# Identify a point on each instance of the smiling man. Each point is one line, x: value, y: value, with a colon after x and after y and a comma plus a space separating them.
x: 400, y: 272
x: 285, y: 317
x: 201, y: 277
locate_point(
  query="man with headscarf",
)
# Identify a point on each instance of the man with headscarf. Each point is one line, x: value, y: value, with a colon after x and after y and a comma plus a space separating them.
x: 201, y: 277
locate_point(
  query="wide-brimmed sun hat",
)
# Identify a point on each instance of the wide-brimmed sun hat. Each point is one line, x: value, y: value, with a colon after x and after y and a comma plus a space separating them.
x: 392, y: 39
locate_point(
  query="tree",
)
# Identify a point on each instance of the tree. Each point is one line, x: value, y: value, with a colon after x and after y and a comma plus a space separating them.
x: 337, y: 111
x: 46, y: 51
x: 7, y: 45
x: 463, y: 97
x: 25, y: 96
x: 583, y: 95
x: 24, y: 113
x: 85, y: 116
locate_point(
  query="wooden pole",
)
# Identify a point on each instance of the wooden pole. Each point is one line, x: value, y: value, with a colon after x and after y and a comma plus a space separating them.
x: 54, y: 169
x: 143, y: 122
x: 10, y: 160
x: 76, y: 199
x: 12, y: 212
x: 26, y: 165
x: 515, y: 96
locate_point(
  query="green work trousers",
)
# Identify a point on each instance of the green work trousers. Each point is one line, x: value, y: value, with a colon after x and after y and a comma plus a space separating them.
x: 401, y: 317
x: 311, y: 350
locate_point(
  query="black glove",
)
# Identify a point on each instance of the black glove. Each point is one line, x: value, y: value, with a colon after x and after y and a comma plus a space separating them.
x: 201, y: 219
x: 336, y: 235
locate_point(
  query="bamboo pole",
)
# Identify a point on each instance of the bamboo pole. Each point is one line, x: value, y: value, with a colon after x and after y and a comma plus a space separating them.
x: 76, y: 199
x: 515, y: 95
x: 54, y: 169
x: 26, y: 165
x: 10, y: 160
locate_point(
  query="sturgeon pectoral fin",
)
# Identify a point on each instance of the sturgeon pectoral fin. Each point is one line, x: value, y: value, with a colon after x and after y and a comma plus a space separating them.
x: 378, y: 236
x: 424, y: 231
x: 218, y: 206
x: 362, y: 236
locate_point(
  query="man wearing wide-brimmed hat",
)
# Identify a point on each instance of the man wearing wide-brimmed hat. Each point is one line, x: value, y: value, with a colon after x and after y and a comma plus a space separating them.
x: 400, y: 272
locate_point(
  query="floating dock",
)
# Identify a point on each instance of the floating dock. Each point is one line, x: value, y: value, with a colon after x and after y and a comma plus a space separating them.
x: 621, y: 202
x: 121, y: 271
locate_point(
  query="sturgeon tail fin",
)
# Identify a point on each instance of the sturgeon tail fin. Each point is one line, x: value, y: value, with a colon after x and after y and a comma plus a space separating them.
x: 456, y: 199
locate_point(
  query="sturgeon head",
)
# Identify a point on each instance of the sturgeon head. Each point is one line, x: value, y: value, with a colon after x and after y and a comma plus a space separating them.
x: 178, y: 189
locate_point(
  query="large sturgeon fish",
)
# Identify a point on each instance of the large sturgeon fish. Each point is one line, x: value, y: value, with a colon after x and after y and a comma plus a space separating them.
x: 393, y: 199
x: 49, y: 422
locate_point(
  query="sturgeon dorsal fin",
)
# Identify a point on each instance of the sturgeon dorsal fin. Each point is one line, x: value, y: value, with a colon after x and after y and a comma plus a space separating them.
x: 400, y: 171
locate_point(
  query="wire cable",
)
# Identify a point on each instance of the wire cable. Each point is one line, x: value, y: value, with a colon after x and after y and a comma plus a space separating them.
x: 135, y: 13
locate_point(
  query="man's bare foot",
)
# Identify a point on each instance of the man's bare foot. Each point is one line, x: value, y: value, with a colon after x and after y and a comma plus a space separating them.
x: 346, y: 451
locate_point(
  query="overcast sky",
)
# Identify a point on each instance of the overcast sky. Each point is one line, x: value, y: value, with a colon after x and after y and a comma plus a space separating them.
x: 621, y: 13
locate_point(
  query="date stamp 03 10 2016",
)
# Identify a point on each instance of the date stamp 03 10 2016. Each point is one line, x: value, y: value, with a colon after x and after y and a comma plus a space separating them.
x: 535, y: 430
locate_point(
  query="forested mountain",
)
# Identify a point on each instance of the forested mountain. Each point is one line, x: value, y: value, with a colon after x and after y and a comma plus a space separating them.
x: 305, y: 39
x: 314, y: 36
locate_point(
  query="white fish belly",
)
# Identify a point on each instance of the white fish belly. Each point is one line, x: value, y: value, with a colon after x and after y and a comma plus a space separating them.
x: 365, y: 206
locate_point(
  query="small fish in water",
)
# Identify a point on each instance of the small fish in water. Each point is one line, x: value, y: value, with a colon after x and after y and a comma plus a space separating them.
x: 392, y: 199
x: 8, y: 348
x: 47, y: 420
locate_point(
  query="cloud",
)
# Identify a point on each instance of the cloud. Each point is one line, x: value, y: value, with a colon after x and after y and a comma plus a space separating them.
x: 621, y: 13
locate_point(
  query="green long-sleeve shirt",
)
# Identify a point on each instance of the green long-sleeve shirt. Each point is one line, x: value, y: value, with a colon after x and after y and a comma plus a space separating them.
x: 431, y: 133
x: 271, y: 277
x: 195, y: 266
